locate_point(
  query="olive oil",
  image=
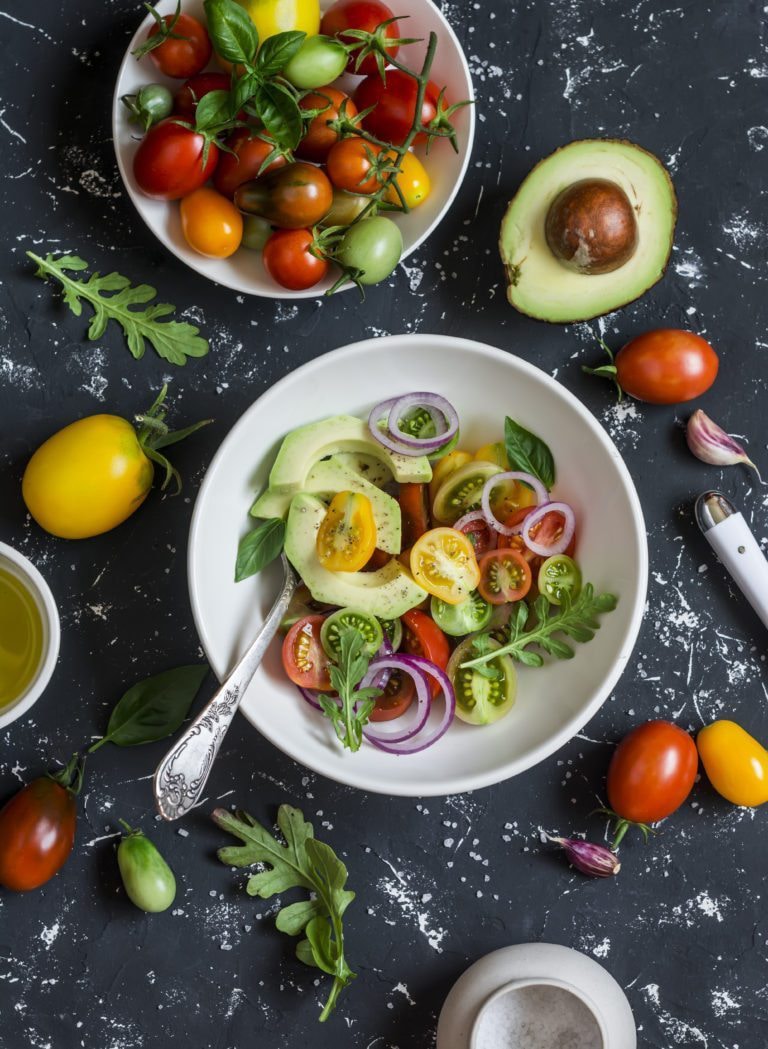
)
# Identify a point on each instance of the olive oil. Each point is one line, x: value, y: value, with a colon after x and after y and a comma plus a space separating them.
x: 21, y: 638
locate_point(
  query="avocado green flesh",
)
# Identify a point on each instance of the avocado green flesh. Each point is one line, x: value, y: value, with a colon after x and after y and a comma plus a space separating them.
x: 539, y: 284
x: 306, y: 445
x: 387, y: 593
x: 325, y: 479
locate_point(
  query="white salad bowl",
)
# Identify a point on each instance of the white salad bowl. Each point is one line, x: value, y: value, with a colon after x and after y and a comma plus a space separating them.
x: 485, y: 385
x: 244, y: 271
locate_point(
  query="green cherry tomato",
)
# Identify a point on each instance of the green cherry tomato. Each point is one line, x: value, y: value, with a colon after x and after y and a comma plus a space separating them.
x: 482, y: 699
x: 466, y: 618
x: 393, y: 631
x: 560, y: 576
x: 345, y: 208
x: 256, y: 232
x: 319, y: 61
x: 148, y: 880
x: 151, y: 104
x: 372, y: 248
x: 361, y: 623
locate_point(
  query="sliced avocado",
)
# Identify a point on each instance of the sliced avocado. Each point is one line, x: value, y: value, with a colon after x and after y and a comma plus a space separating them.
x: 387, y: 593
x: 552, y: 288
x: 325, y: 479
x: 368, y: 466
x: 303, y: 447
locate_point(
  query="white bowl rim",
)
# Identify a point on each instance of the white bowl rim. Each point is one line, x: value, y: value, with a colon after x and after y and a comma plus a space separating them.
x: 278, y: 292
x: 344, y: 772
x: 47, y: 605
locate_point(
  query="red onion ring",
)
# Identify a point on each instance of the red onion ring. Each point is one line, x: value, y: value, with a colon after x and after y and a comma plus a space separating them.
x: 381, y: 411
x: 418, y: 714
x: 419, y: 741
x: 310, y: 696
x: 568, y: 529
x: 493, y: 482
x: 441, y: 412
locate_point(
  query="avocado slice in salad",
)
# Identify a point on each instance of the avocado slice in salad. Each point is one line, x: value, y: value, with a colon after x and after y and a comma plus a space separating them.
x: 325, y: 479
x: 387, y: 593
x: 304, y: 446
x: 589, y: 230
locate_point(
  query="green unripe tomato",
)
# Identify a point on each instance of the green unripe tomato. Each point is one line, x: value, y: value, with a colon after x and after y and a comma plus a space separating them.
x: 372, y: 248
x: 149, y: 881
x: 319, y: 61
x: 256, y: 232
x: 151, y: 104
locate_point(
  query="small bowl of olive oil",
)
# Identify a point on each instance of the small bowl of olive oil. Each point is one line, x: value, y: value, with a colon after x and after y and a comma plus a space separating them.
x: 29, y: 634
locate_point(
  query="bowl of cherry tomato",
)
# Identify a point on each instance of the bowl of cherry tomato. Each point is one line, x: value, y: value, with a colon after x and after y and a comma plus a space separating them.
x: 278, y: 149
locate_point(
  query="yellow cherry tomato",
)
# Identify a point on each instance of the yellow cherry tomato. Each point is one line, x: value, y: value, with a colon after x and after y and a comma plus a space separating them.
x: 443, y: 469
x: 278, y: 16
x: 211, y: 223
x: 414, y: 182
x: 493, y: 453
x: 88, y: 478
x: 443, y: 562
x: 736, y: 764
x: 346, y: 538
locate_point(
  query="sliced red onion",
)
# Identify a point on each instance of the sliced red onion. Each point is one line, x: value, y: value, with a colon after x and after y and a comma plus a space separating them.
x: 311, y: 695
x: 412, y: 721
x: 385, y: 649
x: 421, y: 740
x: 441, y: 412
x: 538, y: 514
x: 541, y: 492
x: 381, y: 411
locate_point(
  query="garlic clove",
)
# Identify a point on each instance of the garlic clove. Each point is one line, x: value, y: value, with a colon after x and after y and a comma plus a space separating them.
x: 597, y: 861
x: 710, y: 443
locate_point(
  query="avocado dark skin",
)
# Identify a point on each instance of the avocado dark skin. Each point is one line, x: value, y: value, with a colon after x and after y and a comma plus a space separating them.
x: 591, y: 227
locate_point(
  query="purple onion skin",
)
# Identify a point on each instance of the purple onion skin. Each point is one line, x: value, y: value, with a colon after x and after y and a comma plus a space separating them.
x: 596, y: 861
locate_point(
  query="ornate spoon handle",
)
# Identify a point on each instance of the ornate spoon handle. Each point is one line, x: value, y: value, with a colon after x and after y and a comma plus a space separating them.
x: 182, y: 774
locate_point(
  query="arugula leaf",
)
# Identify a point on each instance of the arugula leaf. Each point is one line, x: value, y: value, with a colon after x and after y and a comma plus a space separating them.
x: 277, y: 51
x: 174, y: 341
x: 259, y: 547
x: 154, y: 708
x: 302, y: 862
x: 576, y: 619
x: 279, y: 111
x: 232, y: 32
x: 481, y: 646
x: 528, y: 452
x: 352, y: 716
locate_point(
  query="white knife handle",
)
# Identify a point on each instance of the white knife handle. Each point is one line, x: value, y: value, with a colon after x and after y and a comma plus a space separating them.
x: 735, y: 545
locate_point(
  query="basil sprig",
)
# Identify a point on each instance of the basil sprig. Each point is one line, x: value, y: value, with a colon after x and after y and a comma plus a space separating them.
x: 154, y: 708
x: 259, y: 547
x: 527, y: 452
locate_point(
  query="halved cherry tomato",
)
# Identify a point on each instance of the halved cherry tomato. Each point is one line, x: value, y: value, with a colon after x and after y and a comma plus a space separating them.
x: 347, y: 535
x: 443, y: 469
x: 319, y: 138
x: 414, y: 183
x: 186, y: 98
x: 423, y: 637
x: 186, y: 48
x: 249, y: 151
x: 493, y: 453
x: 397, y: 698
x: 414, y: 512
x: 480, y: 534
x: 304, y: 659
x: 366, y: 15
x: 505, y: 575
x: 288, y: 260
x: 169, y: 162
x: 211, y: 224
x: 349, y: 166
x: 378, y: 559
x: 443, y: 562
x: 394, y: 105
x: 550, y: 526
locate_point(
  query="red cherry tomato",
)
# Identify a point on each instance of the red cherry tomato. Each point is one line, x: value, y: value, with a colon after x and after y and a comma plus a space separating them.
x: 249, y: 151
x: 505, y: 575
x: 414, y: 511
x: 652, y: 772
x: 349, y: 166
x: 289, y: 261
x: 394, y: 105
x: 319, y: 138
x: 304, y: 659
x: 423, y: 637
x: 480, y: 534
x: 37, y: 832
x: 397, y: 698
x: 360, y: 14
x: 186, y: 48
x: 169, y: 164
x: 666, y: 366
x: 546, y: 532
x: 186, y: 98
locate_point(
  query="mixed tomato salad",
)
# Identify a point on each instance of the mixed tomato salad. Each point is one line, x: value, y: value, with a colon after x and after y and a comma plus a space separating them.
x: 293, y: 135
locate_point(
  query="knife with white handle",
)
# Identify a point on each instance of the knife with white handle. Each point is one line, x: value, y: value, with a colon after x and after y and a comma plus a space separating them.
x: 732, y: 539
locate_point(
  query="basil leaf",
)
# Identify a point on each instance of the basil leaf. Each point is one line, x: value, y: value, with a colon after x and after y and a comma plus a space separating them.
x: 277, y: 51
x: 243, y: 90
x: 258, y: 547
x: 155, y: 708
x: 212, y: 110
x: 280, y: 114
x: 233, y: 34
x: 528, y: 452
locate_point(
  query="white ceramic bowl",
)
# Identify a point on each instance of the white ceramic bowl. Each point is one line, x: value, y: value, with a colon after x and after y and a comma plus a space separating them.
x: 18, y: 565
x: 244, y: 271
x: 484, y: 384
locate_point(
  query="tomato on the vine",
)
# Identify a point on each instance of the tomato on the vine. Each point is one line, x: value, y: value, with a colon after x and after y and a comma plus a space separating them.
x: 319, y: 137
x: 170, y: 162
x: 349, y: 165
x: 289, y: 261
x: 189, y: 94
x: 249, y: 150
x: 304, y: 658
x: 211, y: 224
x: 371, y: 249
x: 185, y: 47
x: 296, y: 196
x: 413, y: 180
x: 365, y: 15
x: 394, y: 105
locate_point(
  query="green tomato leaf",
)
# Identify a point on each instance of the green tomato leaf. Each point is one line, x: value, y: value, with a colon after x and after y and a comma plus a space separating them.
x: 277, y: 51
x: 155, y: 708
x: 259, y: 547
x: 280, y: 114
x: 233, y: 34
x: 528, y: 452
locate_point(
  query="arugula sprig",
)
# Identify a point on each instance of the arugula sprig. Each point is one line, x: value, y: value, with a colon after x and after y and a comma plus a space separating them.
x: 352, y: 716
x: 302, y: 862
x: 113, y: 297
x: 576, y: 619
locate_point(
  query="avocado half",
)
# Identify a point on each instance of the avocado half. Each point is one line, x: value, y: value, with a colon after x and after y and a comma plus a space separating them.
x: 539, y: 284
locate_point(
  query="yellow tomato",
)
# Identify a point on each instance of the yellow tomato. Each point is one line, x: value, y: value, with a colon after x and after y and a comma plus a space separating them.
x: 493, y: 453
x: 87, y: 478
x: 443, y: 469
x: 736, y: 764
x: 413, y: 180
x: 211, y: 223
x: 346, y: 538
x: 443, y: 562
x: 278, y: 16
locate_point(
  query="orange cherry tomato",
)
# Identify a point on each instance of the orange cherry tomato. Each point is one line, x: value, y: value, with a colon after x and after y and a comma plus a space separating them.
x: 505, y: 575
x: 346, y: 538
x: 211, y: 224
x: 249, y: 151
x: 289, y: 261
x: 443, y: 562
x: 349, y: 166
x: 319, y: 138
x: 186, y: 47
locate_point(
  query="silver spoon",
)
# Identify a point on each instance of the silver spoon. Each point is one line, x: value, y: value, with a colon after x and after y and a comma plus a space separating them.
x: 181, y: 776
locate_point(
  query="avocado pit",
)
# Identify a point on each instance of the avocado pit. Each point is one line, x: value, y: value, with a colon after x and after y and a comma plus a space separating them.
x: 591, y: 226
